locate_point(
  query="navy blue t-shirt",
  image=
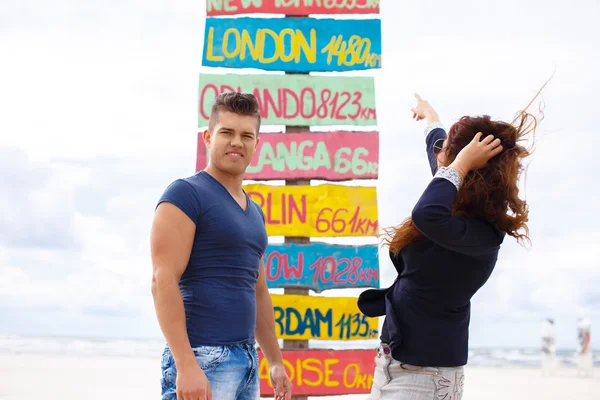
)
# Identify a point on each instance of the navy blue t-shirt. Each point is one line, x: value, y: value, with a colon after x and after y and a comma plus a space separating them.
x: 219, y: 283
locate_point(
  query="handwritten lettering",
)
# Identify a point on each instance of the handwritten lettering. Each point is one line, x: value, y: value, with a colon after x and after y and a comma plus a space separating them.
x: 328, y: 4
x: 228, y: 7
x: 277, y: 262
x: 351, y: 52
x: 342, y: 271
x: 354, y: 325
x: 342, y: 220
x: 354, y: 378
x: 322, y: 372
x: 354, y: 162
x: 231, y: 6
x: 323, y: 272
x: 320, y: 266
x: 294, y: 99
x: 289, y: 207
x: 274, y: 44
x: 308, y: 372
x: 308, y: 155
x: 306, y: 103
x: 332, y: 156
x: 314, y: 372
x: 293, y: 322
x: 323, y: 210
x: 239, y: 44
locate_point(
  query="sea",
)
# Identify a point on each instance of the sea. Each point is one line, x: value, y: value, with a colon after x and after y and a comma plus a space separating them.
x: 152, y: 348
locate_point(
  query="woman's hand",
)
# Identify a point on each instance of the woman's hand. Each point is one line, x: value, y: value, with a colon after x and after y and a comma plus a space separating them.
x: 476, y: 154
x: 424, y: 111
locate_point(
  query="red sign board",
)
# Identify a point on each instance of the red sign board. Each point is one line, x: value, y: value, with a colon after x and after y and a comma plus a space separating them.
x: 291, y: 7
x: 332, y: 156
x: 323, y: 372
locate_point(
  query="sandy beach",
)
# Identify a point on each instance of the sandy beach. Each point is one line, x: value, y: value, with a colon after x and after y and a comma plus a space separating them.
x: 35, y: 376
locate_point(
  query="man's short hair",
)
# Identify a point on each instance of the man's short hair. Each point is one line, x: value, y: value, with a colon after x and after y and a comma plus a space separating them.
x: 239, y: 103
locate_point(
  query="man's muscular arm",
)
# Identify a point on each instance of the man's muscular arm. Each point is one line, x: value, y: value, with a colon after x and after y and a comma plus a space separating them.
x: 267, y: 338
x: 171, y: 242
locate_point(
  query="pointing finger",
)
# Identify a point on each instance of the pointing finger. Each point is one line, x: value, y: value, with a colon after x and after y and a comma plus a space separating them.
x: 418, y: 97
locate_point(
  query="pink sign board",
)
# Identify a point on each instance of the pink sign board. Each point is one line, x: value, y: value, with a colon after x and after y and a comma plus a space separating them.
x: 332, y: 156
x: 291, y: 7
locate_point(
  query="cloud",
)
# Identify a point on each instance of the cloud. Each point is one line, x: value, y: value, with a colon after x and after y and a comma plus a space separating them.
x: 555, y: 278
x: 36, y: 203
x: 109, y: 204
x: 99, y: 117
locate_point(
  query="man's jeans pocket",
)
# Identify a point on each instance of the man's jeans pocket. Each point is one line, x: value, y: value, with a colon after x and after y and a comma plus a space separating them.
x: 207, y: 357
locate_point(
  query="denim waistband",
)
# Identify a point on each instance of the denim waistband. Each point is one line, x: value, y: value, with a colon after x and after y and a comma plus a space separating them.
x: 244, y: 346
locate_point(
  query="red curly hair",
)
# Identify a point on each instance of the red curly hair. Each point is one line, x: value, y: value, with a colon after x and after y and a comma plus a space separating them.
x: 490, y: 192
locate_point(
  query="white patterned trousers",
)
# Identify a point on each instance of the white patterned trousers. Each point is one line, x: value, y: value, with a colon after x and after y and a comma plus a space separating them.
x: 400, y: 381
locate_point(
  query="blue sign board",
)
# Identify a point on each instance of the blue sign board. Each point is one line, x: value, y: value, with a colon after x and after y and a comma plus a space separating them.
x: 293, y: 44
x: 321, y: 266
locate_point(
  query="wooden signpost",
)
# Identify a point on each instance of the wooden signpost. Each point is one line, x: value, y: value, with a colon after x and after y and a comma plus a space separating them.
x: 291, y: 7
x: 299, y: 45
x: 316, y: 372
x: 332, y: 156
x: 293, y: 45
x: 297, y: 99
x: 324, y: 210
x: 300, y: 317
x: 321, y: 266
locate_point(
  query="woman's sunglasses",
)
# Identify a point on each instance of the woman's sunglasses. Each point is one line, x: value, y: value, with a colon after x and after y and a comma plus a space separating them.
x: 438, y: 146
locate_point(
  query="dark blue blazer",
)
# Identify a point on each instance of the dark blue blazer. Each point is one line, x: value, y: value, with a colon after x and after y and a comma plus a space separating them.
x: 427, y: 308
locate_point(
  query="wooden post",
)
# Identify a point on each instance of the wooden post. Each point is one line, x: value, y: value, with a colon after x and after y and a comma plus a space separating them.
x: 296, y: 344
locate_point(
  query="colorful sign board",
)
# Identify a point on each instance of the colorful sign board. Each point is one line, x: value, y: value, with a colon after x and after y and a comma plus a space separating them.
x: 293, y: 44
x: 322, y: 372
x: 321, y: 266
x: 332, y: 156
x: 321, y: 211
x: 291, y: 7
x: 300, y: 317
x: 296, y: 99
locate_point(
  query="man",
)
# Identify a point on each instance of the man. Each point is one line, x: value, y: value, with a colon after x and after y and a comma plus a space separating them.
x: 210, y: 293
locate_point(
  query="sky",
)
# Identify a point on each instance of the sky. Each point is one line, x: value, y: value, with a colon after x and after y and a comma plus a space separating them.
x: 98, y: 105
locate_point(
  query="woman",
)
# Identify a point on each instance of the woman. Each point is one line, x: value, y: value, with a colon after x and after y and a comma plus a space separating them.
x: 445, y: 252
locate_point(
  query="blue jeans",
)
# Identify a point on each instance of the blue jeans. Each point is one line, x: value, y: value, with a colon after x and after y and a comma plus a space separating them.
x: 232, y: 372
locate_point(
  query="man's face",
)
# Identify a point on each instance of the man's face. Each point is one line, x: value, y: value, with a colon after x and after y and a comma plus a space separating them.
x: 232, y: 142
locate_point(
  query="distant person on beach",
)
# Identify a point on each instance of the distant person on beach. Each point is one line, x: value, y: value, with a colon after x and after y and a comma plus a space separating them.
x: 210, y: 294
x: 445, y: 252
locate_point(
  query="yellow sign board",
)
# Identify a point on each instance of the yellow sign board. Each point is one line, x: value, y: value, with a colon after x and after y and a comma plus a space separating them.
x: 317, y: 211
x: 322, y: 318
